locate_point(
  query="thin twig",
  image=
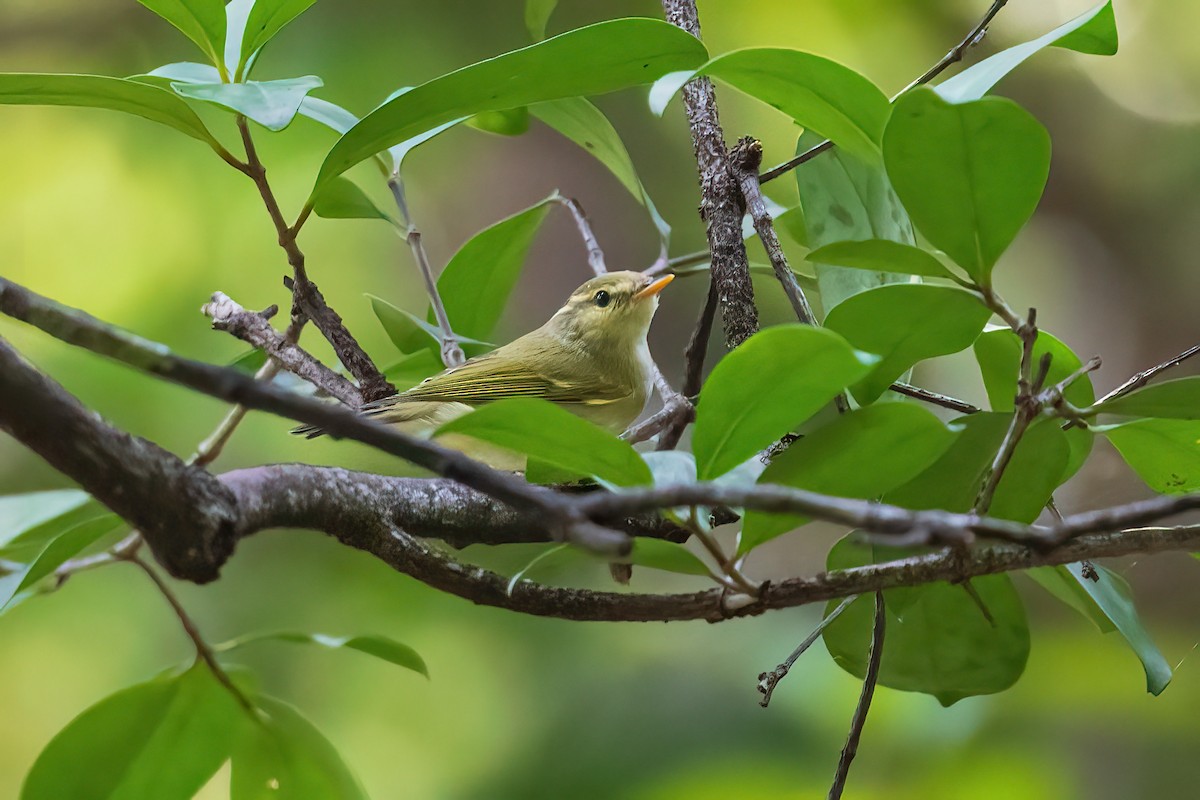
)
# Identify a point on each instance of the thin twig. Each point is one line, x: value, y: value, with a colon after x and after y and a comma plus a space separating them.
x: 874, y: 657
x: 767, y: 681
x: 203, y: 651
x: 452, y: 352
x: 937, y: 399
x: 1145, y: 376
x: 595, y: 254
x: 956, y: 53
x: 693, y: 370
x: 746, y: 158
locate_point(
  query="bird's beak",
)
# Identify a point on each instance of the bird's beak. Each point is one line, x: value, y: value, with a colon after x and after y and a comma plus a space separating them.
x: 654, y: 287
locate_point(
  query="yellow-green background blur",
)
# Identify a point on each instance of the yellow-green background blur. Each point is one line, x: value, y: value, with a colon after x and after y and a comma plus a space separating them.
x: 138, y: 225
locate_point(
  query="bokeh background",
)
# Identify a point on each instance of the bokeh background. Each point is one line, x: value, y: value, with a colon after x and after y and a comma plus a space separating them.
x: 138, y: 226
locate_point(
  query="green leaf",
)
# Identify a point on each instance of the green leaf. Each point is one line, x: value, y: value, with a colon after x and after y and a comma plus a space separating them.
x: 67, y: 544
x: 667, y: 556
x: 272, y: 104
x: 266, y: 19
x: 999, y: 355
x: 328, y: 114
x: 775, y: 380
x: 1115, y: 599
x: 544, y: 431
x: 537, y: 14
x: 906, y: 324
x: 184, y: 72
x: 381, y: 647
x: 593, y: 60
x: 100, y: 91
x: 551, y: 556
x: 970, y: 175
x: 822, y: 95
x: 861, y: 454
x: 585, y: 125
x: 476, y: 284
x: 163, y: 739
x: 505, y: 122
x: 845, y: 198
x: 202, y: 21
x: 881, y: 255
x: 342, y: 199
x: 1175, y: 399
x: 1064, y: 585
x: 954, y: 480
x: 1093, y: 32
x: 1165, y: 453
x: 412, y: 334
x: 20, y: 513
x: 941, y: 643
x: 285, y: 757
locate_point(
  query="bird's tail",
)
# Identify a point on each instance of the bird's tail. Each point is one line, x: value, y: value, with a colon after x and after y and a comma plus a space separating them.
x: 372, y: 409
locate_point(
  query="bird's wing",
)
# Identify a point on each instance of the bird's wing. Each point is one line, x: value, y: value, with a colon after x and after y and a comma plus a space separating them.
x: 482, y: 380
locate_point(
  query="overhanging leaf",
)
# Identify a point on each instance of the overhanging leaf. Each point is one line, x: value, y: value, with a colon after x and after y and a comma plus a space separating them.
x: 970, y: 175
x: 593, y: 60
x: 1093, y: 32
x: 906, y: 324
x: 20, y: 513
x: 881, y: 255
x: 343, y: 199
x: 202, y: 21
x: 381, y: 647
x: 272, y: 104
x: 818, y: 93
x: 266, y: 19
x: 542, y: 430
x: 775, y: 380
x: 66, y: 545
x: 1165, y: 453
x: 411, y: 334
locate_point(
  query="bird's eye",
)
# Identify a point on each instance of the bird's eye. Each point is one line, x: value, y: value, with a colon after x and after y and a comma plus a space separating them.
x: 602, y: 298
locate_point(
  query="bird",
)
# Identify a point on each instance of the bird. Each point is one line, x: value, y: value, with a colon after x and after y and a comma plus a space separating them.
x: 590, y: 358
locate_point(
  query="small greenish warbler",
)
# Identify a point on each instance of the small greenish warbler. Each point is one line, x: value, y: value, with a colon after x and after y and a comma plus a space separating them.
x: 590, y: 358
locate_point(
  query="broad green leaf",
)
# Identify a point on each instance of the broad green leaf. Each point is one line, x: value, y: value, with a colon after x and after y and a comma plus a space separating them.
x: 476, y: 284
x: 542, y: 430
x: 954, y: 480
x: 999, y: 355
x: 593, y: 60
x: 284, y: 757
x: 101, y: 91
x: 342, y: 199
x: 970, y: 175
x: 381, y: 647
x: 537, y: 14
x: 941, y: 643
x: 20, y: 513
x: 249, y: 362
x: 846, y: 198
x: 67, y: 544
x: 163, y: 739
x: 775, y: 380
x: 585, y: 125
x: 505, y: 122
x: 237, y: 13
x: 1115, y: 598
x: 861, y: 454
x: 202, y: 21
x: 184, y: 72
x: 1093, y: 32
x: 906, y: 324
x: 1176, y: 399
x: 1065, y: 585
x: 272, y: 104
x: 411, y: 334
x: 671, y: 467
x: 832, y: 100
x: 266, y: 19
x: 328, y: 114
x: 667, y: 556
x: 881, y: 255
x: 1165, y: 453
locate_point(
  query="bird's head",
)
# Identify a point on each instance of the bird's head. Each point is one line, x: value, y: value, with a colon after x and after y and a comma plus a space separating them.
x: 610, y: 311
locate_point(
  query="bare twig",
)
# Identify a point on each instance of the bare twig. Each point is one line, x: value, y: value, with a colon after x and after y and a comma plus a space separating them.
x: 767, y: 681
x: 1145, y: 376
x: 452, y: 352
x: 935, y: 398
x: 746, y: 158
x: 203, y: 651
x: 874, y: 656
x: 693, y: 370
x: 956, y: 53
x: 721, y: 205
x: 306, y: 297
x: 595, y: 255
x: 254, y: 328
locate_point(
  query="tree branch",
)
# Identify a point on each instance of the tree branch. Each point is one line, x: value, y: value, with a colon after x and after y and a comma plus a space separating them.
x: 1145, y: 376
x: 595, y: 254
x: 255, y: 329
x: 720, y: 200
x: 874, y: 656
